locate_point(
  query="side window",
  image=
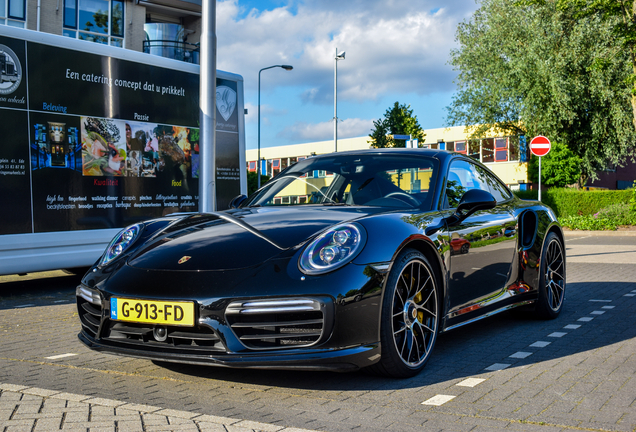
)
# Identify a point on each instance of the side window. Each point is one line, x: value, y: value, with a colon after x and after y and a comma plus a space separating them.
x: 462, y: 176
x: 495, y: 187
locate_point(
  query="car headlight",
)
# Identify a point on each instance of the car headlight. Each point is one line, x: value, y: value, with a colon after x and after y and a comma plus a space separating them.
x: 120, y: 243
x: 333, y: 249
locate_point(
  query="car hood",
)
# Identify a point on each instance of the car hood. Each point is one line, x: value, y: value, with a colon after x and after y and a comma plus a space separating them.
x: 238, y: 238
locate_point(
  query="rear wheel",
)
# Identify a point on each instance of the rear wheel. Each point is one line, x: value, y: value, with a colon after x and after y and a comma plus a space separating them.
x: 410, y: 316
x: 552, y: 278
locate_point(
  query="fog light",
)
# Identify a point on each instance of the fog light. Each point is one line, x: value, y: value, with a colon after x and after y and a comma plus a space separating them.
x: 160, y: 333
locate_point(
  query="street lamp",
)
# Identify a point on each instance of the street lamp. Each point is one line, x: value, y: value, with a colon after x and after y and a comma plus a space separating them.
x: 258, y: 162
x: 340, y: 56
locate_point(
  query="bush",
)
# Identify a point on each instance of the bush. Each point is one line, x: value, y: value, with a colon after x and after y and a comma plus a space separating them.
x: 608, y: 218
x: 574, y: 202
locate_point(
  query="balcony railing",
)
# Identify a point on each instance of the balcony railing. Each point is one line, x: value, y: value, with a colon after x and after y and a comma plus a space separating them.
x: 183, y: 51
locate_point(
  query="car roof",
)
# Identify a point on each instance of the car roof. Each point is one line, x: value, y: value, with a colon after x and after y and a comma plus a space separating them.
x: 434, y: 153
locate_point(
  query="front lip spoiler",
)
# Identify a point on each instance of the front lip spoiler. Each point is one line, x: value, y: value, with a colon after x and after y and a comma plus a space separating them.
x: 344, y: 360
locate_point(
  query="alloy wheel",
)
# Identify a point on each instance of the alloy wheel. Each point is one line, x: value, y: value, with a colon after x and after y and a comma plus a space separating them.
x: 414, y: 313
x: 554, y: 275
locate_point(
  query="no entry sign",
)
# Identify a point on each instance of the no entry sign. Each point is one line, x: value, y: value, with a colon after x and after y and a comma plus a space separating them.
x: 540, y: 146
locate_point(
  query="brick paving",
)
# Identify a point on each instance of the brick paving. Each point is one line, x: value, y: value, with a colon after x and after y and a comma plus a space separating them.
x: 578, y: 375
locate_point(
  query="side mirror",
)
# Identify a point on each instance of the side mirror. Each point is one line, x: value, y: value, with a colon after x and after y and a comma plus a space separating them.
x: 472, y: 201
x: 475, y: 200
x: 237, y: 201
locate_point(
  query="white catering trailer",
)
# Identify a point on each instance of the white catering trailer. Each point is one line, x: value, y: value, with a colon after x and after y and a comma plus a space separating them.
x: 94, y: 138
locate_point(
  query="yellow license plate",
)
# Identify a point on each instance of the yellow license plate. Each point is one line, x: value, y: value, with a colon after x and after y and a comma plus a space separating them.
x: 152, y: 311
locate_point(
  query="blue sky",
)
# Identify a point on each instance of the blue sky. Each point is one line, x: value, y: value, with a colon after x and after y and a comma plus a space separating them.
x: 396, y: 50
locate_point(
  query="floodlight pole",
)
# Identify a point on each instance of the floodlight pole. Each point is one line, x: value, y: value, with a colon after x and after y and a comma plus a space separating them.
x: 340, y: 56
x: 258, y: 162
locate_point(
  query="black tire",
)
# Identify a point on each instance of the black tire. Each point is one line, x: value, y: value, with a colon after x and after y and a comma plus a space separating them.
x: 551, y: 278
x: 410, y: 316
x: 465, y: 248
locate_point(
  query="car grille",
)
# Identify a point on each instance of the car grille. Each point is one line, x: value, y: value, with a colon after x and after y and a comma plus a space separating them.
x: 191, y: 338
x: 280, y: 323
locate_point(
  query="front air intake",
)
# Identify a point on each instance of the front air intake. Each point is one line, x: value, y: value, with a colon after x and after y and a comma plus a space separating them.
x: 280, y: 323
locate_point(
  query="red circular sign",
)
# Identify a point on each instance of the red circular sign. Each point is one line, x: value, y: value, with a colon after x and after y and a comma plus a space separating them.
x: 540, y: 146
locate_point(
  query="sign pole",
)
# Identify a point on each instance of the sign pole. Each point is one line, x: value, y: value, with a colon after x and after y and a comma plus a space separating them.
x: 540, y: 178
x: 540, y: 146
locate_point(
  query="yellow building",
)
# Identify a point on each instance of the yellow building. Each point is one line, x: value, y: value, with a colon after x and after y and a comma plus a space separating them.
x: 496, y: 152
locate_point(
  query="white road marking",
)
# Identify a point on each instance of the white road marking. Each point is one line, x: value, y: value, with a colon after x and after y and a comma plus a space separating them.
x: 498, y: 367
x: 597, y: 312
x: 629, y: 295
x: 438, y: 400
x: 61, y: 301
x: 557, y: 334
x: 521, y: 354
x: 540, y: 344
x: 572, y: 326
x: 57, y: 357
x: 23, y: 306
x: 609, y: 307
x: 601, y: 301
x: 470, y: 382
x: 585, y: 319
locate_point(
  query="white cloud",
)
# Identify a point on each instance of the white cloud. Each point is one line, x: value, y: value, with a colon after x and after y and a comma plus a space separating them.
x: 303, y: 131
x: 396, y: 46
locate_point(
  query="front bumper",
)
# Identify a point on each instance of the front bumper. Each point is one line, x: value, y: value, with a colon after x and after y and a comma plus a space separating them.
x: 342, y: 360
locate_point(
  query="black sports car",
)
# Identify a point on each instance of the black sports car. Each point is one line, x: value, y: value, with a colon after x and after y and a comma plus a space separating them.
x: 342, y: 261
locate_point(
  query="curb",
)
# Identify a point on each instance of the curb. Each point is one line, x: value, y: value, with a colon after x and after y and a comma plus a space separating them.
x: 625, y: 233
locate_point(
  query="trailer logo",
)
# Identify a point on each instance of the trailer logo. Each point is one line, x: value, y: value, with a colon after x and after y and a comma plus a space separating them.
x: 10, y: 71
x: 225, y: 101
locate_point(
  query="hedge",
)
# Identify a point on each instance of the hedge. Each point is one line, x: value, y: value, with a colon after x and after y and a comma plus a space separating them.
x: 572, y: 202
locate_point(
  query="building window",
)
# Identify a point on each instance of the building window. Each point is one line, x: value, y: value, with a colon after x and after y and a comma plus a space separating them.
x: 252, y: 166
x: 501, y: 149
x: 460, y: 147
x: 13, y: 13
x: 487, y: 150
x: 100, y: 21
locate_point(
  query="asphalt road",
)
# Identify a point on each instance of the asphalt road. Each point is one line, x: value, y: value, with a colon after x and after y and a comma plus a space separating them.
x: 511, y: 371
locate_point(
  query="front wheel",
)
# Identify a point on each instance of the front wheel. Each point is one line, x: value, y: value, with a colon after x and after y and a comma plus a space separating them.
x: 410, y: 316
x: 552, y: 278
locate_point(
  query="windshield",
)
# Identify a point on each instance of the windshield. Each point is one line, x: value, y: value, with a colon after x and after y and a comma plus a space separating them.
x: 374, y: 180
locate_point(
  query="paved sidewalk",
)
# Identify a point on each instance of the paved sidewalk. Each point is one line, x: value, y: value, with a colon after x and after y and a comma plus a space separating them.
x: 33, y: 409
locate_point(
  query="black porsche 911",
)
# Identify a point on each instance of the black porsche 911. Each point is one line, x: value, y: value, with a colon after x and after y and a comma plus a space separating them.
x: 342, y: 261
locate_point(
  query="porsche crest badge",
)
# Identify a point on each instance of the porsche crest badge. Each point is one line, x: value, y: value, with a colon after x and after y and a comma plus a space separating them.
x: 184, y: 259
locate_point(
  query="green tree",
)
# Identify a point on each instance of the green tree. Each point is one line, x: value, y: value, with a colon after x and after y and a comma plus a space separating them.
x: 559, y: 168
x: 538, y: 69
x: 620, y: 15
x: 398, y: 120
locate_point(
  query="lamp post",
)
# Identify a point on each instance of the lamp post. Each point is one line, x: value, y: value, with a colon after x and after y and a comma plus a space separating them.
x: 340, y: 56
x: 258, y: 162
